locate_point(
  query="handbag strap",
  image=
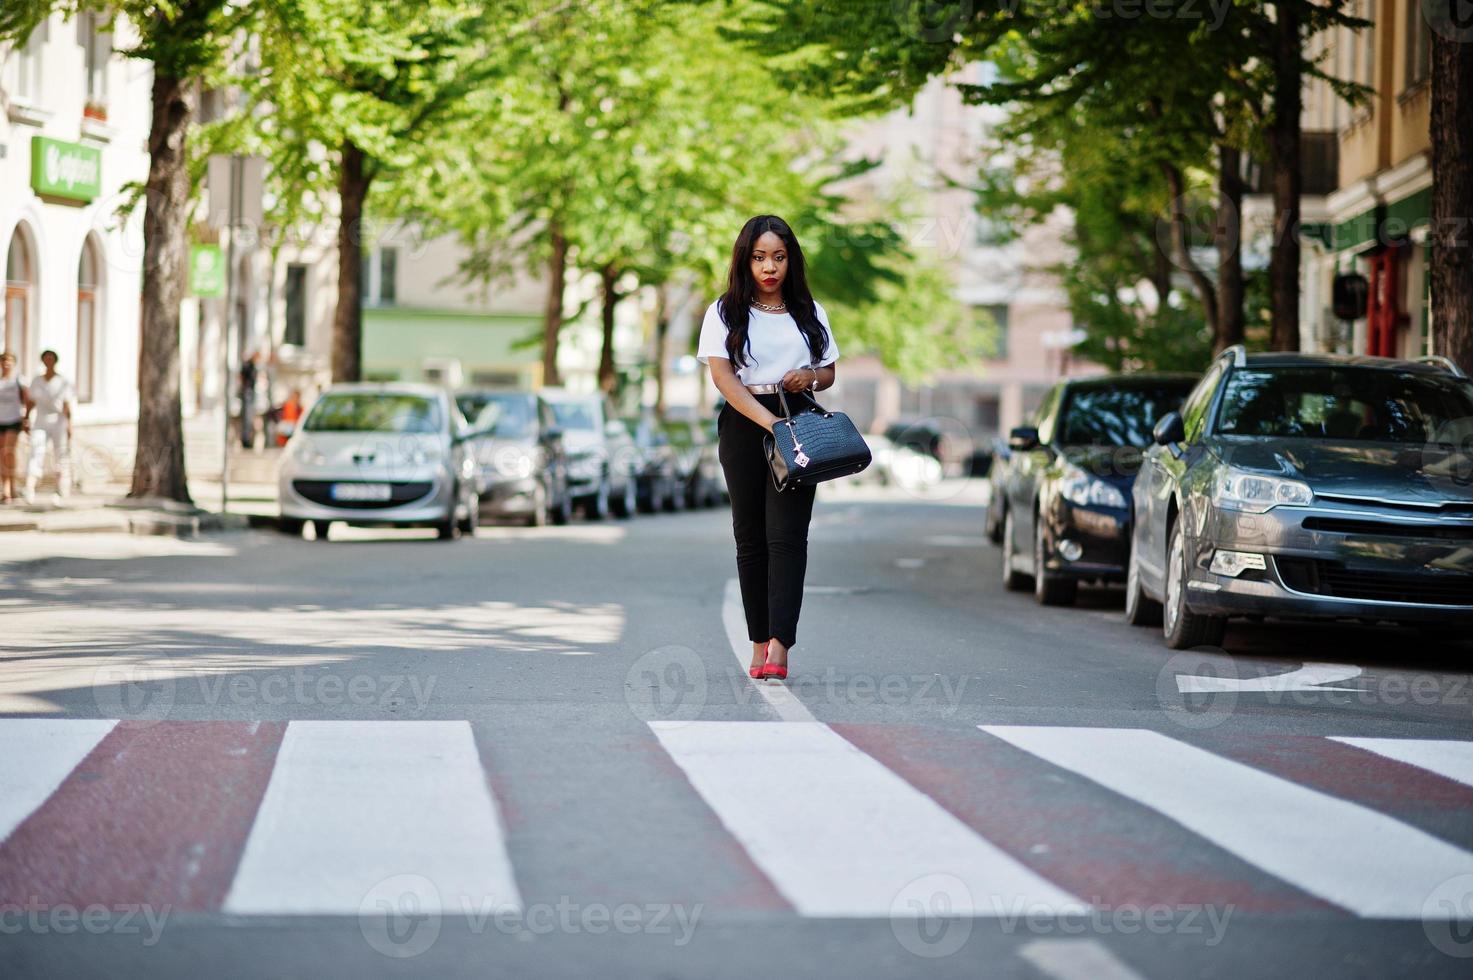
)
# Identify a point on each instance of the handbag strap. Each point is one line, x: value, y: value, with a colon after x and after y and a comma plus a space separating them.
x: 787, y: 413
x: 783, y: 398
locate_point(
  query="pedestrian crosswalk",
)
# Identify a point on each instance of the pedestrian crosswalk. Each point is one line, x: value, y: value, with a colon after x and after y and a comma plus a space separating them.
x: 827, y: 821
x: 353, y: 803
x: 838, y: 833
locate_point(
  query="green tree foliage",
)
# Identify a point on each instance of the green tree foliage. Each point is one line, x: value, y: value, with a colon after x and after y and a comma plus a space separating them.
x: 1174, y: 84
x: 635, y: 142
x: 348, y: 94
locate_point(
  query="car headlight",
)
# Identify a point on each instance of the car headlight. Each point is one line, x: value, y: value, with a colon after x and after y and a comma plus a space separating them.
x: 1087, y: 490
x: 309, y: 455
x: 1256, y: 493
x: 419, y: 456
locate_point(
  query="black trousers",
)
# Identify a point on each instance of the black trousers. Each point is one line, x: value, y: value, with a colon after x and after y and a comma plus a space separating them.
x: 771, y: 528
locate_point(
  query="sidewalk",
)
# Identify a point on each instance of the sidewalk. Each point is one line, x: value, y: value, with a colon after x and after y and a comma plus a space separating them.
x: 108, y: 509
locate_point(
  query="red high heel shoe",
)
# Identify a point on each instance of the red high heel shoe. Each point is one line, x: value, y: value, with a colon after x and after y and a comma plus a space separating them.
x: 775, y: 671
x: 757, y: 671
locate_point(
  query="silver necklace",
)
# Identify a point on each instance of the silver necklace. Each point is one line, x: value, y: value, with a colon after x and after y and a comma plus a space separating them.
x: 769, y: 309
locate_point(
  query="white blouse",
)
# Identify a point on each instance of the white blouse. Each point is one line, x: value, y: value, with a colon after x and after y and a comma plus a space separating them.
x: 777, y: 345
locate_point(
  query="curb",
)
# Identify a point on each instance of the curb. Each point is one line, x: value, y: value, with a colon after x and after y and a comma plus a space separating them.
x: 176, y: 522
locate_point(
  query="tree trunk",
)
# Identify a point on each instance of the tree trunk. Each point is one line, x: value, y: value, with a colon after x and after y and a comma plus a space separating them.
x: 158, y: 467
x: 1161, y: 274
x: 1283, y: 147
x: 347, y: 326
x: 608, y: 379
x: 1451, y: 269
x: 662, y: 337
x: 1229, y: 233
x: 1206, y: 292
x: 552, y: 324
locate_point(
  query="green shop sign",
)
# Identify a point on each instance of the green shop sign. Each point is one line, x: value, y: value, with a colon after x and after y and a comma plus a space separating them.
x: 206, y: 271
x: 67, y: 170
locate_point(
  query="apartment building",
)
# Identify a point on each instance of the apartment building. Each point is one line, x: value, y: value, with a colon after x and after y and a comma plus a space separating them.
x: 74, y: 122
x: 1374, y: 218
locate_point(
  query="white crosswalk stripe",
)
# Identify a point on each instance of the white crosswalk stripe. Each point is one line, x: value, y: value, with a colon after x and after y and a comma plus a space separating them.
x: 1451, y: 760
x: 841, y: 835
x: 36, y: 754
x: 1359, y: 859
x: 357, y: 812
x: 362, y: 817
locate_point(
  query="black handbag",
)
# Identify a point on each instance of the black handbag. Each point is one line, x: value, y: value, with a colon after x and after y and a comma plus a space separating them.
x: 813, y: 446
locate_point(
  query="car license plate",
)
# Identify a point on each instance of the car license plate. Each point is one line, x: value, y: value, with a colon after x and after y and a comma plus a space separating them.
x: 361, y: 491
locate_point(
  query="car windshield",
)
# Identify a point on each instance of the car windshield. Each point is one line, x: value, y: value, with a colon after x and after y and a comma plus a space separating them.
x: 1117, y: 415
x: 506, y: 416
x: 1344, y: 403
x: 374, y: 412
x: 575, y: 415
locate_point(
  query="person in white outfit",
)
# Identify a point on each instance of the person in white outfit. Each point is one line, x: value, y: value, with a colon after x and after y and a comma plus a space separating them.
x: 51, y: 396
x: 14, y: 409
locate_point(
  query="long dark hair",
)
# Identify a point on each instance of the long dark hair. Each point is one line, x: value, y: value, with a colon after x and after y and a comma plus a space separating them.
x: 741, y: 289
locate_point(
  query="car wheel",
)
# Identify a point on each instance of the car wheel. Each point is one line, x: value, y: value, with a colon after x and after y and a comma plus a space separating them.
x: 1012, y: 579
x: 1049, y: 590
x: 291, y: 525
x: 650, y: 502
x: 626, y: 505
x: 597, y: 508
x: 319, y: 528
x: 540, y: 511
x: 1139, y: 609
x: 448, y: 529
x: 472, y: 515
x: 563, y: 512
x: 1183, y: 628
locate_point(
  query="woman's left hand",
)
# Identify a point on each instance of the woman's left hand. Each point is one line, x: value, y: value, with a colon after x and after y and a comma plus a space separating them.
x: 798, y: 379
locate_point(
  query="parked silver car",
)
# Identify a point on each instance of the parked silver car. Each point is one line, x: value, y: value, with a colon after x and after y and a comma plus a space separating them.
x: 602, y: 457
x: 1307, y: 485
x: 380, y: 455
x: 519, y: 453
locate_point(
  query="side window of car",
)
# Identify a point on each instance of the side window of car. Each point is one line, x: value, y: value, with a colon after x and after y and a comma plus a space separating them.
x: 1194, y: 409
x: 1047, y: 417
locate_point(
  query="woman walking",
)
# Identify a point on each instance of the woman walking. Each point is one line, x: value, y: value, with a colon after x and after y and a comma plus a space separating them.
x: 14, y: 409
x: 765, y: 332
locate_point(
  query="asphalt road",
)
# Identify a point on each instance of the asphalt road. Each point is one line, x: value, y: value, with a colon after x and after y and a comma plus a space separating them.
x: 537, y: 753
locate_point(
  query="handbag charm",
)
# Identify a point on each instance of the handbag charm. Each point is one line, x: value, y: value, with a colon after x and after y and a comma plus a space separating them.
x: 799, y: 456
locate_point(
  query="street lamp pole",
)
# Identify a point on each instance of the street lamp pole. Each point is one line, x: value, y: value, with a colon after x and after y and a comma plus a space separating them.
x: 227, y: 322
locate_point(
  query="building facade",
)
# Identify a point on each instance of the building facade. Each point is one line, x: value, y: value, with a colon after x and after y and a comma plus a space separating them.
x: 1374, y: 220
x: 73, y: 134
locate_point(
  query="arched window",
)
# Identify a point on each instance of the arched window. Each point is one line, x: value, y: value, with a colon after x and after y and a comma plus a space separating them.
x: 20, y: 297
x: 89, y: 298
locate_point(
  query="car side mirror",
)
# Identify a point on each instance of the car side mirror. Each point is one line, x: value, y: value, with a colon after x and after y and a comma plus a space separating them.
x: 552, y: 433
x: 1169, y: 430
x: 1023, y: 438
